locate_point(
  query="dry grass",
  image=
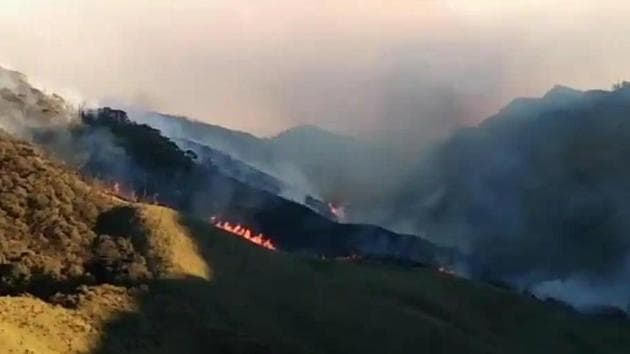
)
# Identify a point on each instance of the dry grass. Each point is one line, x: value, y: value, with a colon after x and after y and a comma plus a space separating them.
x: 251, y: 300
x: 31, y: 325
x: 171, y: 245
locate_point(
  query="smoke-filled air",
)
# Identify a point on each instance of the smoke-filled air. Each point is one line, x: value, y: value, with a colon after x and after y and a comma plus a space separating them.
x: 439, y: 176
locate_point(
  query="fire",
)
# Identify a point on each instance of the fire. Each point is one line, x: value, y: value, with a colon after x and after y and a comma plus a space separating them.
x: 127, y: 193
x: 338, y: 211
x: 120, y: 191
x: 244, y: 232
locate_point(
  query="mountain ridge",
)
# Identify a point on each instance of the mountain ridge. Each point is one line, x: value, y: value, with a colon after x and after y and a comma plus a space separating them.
x: 532, y: 192
x: 216, y: 292
x: 85, y: 268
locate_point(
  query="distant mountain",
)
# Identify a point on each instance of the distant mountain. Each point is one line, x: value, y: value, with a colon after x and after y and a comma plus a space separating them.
x: 539, y: 194
x: 334, y: 168
x: 558, y: 98
x: 240, y: 145
x: 159, y: 170
x: 536, y: 196
x: 142, y: 164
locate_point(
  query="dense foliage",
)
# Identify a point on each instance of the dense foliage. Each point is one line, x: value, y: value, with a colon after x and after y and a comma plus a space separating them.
x: 49, y: 238
x: 147, y: 145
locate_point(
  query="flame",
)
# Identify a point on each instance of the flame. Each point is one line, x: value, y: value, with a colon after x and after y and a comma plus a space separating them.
x: 244, y: 232
x: 119, y: 190
x: 127, y: 193
x: 338, y: 211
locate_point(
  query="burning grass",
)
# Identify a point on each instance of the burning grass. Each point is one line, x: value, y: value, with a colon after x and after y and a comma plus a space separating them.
x: 281, y: 303
x: 211, y: 292
x: 244, y: 232
x: 275, y: 302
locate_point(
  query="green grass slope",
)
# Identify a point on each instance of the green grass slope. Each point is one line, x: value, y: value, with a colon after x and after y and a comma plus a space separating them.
x: 268, y: 302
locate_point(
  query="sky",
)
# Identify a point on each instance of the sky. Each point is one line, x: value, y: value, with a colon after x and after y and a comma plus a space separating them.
x: 400, y: 69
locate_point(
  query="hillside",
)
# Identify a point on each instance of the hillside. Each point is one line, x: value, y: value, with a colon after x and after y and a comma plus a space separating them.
x: 253, y: 177
x: 309, y: 159
x: 47, y: 219
x: 24, y: 107
x: 65, y: 241
x: 139, y: 162
x: 146, y: 279
x: 539, y: 194
x: 240, y: 145
x: 58, y: 231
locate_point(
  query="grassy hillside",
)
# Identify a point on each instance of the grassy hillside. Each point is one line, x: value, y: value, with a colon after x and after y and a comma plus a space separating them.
x: 261, y: 301
x: 135, y: 278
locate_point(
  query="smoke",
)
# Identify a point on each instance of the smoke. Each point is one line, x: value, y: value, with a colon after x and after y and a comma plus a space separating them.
x: 24, y: 108
x: 50, y: 121
x: 400, y: 76
x: 536, y: 196
x: 242, y: 156
x: 586, y: 292
x: 402, y: 69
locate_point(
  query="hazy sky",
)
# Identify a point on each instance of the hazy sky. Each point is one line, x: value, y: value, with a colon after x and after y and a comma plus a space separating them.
x: 413, y: 67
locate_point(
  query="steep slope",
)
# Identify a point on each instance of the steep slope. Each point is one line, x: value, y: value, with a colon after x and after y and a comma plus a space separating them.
x: 63, y: 240
x: 23, y: 107
x: 47, y: 216
x: 58, y: 232
x: 140, y: 163
x: 260, y: 301
x: 333, y: 167
x: 253, y: 177
x: 240, y: 145
x: 203, y: 290
x: 156, y: 168
x: 538, y: 194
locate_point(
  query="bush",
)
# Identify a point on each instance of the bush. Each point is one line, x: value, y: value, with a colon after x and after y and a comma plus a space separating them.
x: 116, y: 261
x: 46, y: 219
x: 14, y: 276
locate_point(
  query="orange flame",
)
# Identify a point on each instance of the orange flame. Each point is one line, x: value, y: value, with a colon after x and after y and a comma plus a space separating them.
x: 244, y: 232
x: 338, y: 211
x: 127, y: 193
